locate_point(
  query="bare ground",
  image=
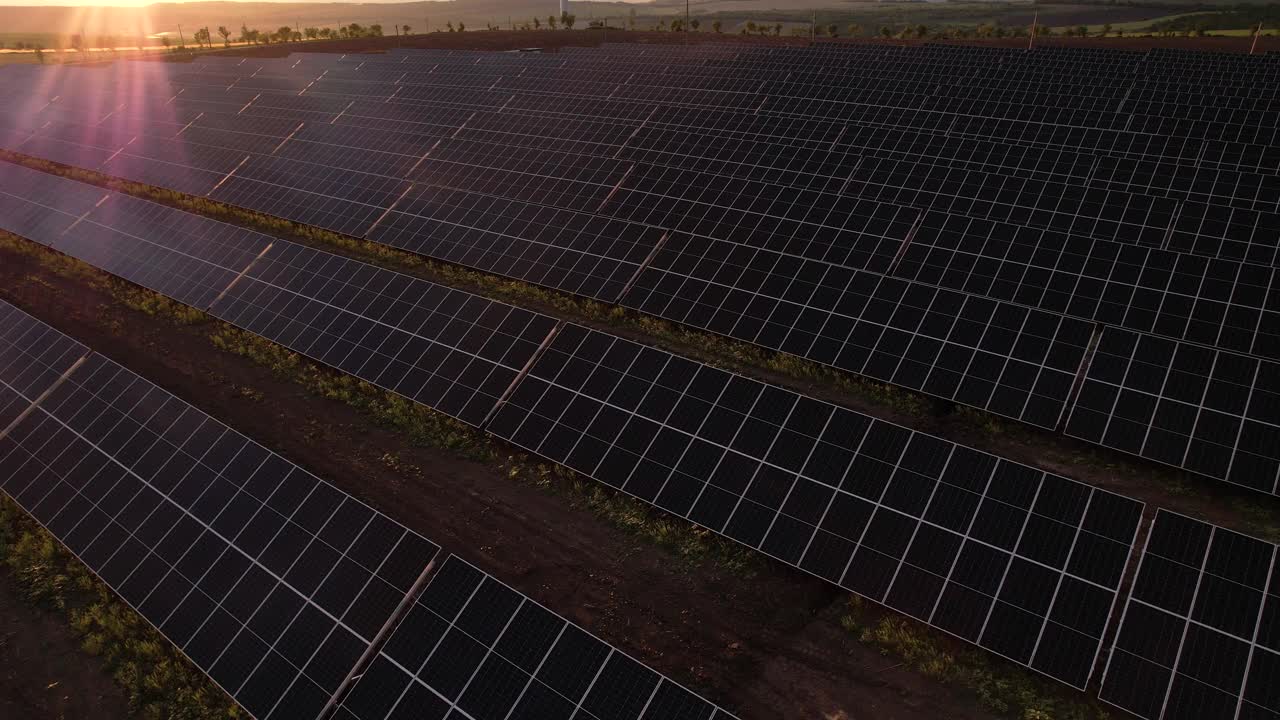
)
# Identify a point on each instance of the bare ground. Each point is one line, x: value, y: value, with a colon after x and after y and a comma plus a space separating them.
x: 44, y: 675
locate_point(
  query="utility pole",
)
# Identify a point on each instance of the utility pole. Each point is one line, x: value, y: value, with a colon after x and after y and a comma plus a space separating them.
x: 1256, y: 33
x: 685, y: 29
x: 181, y: 41
x: 1035, y: 22
x: 813, y: 28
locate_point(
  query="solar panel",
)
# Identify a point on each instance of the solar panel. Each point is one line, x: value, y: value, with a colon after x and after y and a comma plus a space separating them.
x: 448, y: 349
x: 33, y: 356
x: 1208, y: 411
x: 451, y: 350
x: 1023, y: 563
x: 1198, y: 635
x: 473, y: 647
x: 270, y: 580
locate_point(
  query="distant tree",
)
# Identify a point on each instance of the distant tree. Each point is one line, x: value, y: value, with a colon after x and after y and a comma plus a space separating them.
x: 631, y: 19
x: 567, y: 20
x: 1106, y: 30
x: 462, y: 27
x: 551, y: 20
x: 375, y: 30
x: 450, y: 26
x: 356, y: 30
x: 39, y: 54
x: 715, y: 25
x: 164, y: 40
x: 695, y: 24
x: 537, y: 24
x: 1119, y: 32
x: 886, y: 32
x: 311, y: 33
x: 244, y: 34
x: 662, y: 25
x: 922, y: 30
x: 777, y: 29
x: 677, y: 25
x: 749, y: 28
x: 406, y: 29
x: 283, y: 33
x: 854, y: 29
x: 833, y: 31
x: 226, y: 35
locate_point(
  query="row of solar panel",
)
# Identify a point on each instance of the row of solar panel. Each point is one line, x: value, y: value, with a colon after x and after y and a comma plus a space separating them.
x: 968, y: 542
x: 366, y: 78
x: 274, y: 582
x: 724, y: 295
x: 977, y: 546
x: 686, y: 283
x: 999, y: 357
x: 461, y: 147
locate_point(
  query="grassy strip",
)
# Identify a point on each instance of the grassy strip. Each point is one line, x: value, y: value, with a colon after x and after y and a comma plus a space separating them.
x: 708, y: 347
x: 1000, y: 686
x: 159, y: 681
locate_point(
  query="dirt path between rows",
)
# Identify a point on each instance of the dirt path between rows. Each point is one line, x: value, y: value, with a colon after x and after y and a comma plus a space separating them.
x: 767, y: 646
x: 44, y: 675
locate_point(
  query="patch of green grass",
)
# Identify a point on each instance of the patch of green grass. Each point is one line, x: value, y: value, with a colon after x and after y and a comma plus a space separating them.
x: 159, y: 682
x: 998, y: 685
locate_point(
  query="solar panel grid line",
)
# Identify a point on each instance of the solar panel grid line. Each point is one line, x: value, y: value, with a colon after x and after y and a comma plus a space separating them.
x: 1022, y: 529
x: 1197, y: 676
x: 514, y: 433
x: 1245, y: 413
x: 1253, y: 640
x: 507, y: 644
x: 47, y: 415
x: 119, y: 384
x: 236, y: 289
x: 933, y: 492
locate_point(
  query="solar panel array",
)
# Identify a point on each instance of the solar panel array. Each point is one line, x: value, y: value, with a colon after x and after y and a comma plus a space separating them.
x: 1199, y: 635
x: 451, y: 350
x: 926, y: 216
x: 270, y: 580
x: 1023, y: 563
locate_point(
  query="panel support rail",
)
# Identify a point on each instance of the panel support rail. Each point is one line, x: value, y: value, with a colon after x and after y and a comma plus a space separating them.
x: 635, y: 132
x: 387, y: 212
x: 44, y: 395
x: 1078, y: 383
x: 287, y: 138
x: 379, y: 640
x: 227, y: 176
x: 615, y: 189
x: 85, y: 214
x: 524, y: 371
x: 906, y: 241
x: 236, y: 279
x: 644, y: 265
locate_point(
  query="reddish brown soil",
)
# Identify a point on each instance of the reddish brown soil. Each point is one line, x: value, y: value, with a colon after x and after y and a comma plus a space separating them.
x: 767, y: 646
x: 554, y: 40
x: 44, y: 675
